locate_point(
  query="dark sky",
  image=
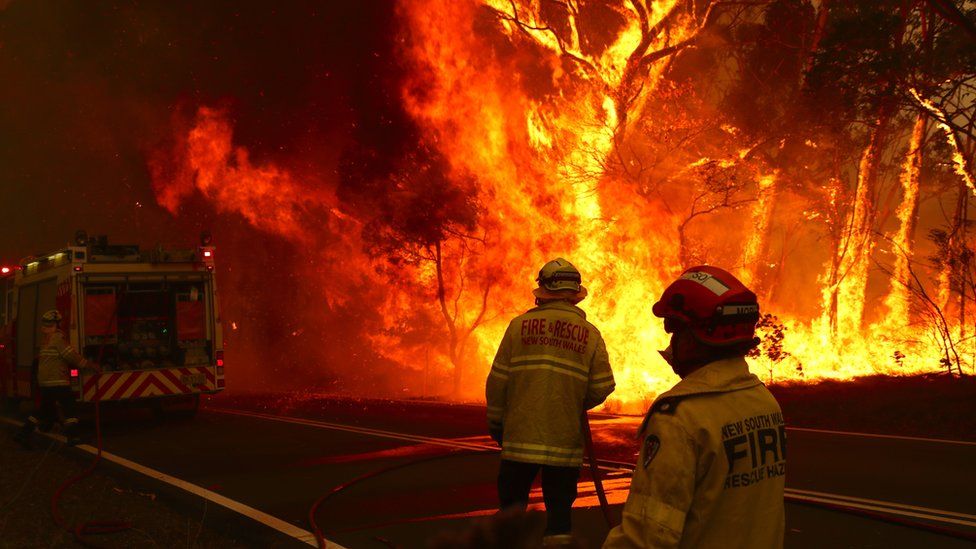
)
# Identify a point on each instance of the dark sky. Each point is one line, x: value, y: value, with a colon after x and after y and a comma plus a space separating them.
x: 88, y: 89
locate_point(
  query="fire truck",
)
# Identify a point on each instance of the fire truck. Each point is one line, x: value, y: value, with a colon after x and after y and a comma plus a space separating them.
x: 149, y: 319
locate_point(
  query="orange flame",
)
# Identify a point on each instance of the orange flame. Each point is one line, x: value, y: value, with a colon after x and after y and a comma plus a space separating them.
x: 904, y: 240
x: 268, y: 196
x: 542, y: 160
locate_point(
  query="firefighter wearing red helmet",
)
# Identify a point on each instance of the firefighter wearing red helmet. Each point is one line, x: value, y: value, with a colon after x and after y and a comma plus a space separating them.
x: 551, y: 366
x: 712, y: 461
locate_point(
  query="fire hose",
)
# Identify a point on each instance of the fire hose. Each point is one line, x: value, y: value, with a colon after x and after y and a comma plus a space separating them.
x: 595, y: 472
x: 587, y: 441
x: 604, y: 504
x: 83, y: 529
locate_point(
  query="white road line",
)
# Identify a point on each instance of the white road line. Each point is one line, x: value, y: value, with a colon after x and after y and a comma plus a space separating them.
x: 446, y: 442
x: 354, y: 429
x: 885, y: 503
x: 595, y: 417
x: 886, y: 509
x: 935, y: 515
x: 876, y: 435
x: 285, y: 528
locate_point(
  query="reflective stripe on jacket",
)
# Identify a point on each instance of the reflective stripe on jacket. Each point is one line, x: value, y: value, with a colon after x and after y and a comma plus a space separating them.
x: 55, y: 359
x: 551, y: 366
x: 711, y: 468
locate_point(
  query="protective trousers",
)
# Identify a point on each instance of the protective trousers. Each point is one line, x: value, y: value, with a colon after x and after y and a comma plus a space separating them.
x: 47, y: 413
x: 515, y: 480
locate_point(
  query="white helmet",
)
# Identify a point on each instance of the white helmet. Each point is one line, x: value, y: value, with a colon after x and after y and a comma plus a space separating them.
x: 560, y: 279
x: 51, y: 318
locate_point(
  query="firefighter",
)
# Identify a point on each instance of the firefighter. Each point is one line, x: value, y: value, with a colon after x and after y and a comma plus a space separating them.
x: 551, y: 367
x: 56, y: 360
x: 712, y: 460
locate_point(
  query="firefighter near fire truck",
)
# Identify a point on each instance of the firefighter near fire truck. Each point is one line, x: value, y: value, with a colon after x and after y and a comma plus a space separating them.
x: 551, y: 366
x: 56, y: 360
x: 712, y: 463
x: 150, y: 319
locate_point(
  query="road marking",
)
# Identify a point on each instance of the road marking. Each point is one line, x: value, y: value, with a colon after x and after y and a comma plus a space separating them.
x: 884, y: 503
x: 602, y: 417
x: 884, y: 507
x: 935, y: 515
x: 845, y: 433
x: 876, y: 435
x: 275, y: 523
x: 354, y: 429
x: 446, y: 442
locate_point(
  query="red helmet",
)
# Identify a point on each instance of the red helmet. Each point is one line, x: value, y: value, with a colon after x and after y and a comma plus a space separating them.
x: 719, y: 310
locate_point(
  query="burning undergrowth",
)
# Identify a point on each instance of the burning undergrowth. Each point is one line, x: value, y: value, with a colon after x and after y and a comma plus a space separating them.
x: 635, y: 139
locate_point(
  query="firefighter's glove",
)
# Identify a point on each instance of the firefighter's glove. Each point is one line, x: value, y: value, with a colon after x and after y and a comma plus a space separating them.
x: 496, y: 434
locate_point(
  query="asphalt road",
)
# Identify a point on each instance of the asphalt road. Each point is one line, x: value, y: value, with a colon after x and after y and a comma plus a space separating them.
x: 280, y: 455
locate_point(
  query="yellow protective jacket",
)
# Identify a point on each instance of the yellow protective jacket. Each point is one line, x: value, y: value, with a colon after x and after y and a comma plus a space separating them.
x: 711, y: 469
x: 57, y: 357
x: 551, y: 366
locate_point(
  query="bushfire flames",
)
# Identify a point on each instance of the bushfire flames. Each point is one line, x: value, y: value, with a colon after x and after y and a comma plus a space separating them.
x: 560, y: 125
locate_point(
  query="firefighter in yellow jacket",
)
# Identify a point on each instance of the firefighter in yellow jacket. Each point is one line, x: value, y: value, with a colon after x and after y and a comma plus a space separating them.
x: 551, y: 367
x: 712, y: 461
x: 56, y: 360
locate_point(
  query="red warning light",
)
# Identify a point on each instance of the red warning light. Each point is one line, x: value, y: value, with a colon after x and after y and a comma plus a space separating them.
x: 74, y: 373
x: 77, y: 268
x: 4, y: 270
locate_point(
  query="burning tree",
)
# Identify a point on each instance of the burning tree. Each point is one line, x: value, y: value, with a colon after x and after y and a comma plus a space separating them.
x: 637, y: 137
x: 862, y: 75
x: 428, y: 220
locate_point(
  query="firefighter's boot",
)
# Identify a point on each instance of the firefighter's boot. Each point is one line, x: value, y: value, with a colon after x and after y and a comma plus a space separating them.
x: 71, y: 432
x: 25, y: 435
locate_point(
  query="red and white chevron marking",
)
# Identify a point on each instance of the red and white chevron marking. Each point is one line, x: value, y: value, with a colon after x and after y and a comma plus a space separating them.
x: 146, y: 383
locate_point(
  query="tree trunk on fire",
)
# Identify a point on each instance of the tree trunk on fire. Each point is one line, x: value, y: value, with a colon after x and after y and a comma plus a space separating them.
x: 458, y: 335
x: 754, y: 257
x: 959, y: 267
x: 684, y: 254
x: 833, y: 278
x: 452, y: 329
x: 904, y: 240
x: 857, y: 243
x: 818, y: 32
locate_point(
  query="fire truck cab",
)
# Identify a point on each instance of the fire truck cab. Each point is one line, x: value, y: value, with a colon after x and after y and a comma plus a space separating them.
x: 150, y: 320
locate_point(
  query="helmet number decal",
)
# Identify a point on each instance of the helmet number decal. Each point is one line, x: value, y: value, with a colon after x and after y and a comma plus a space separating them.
x: 651, y: 446
x: 715, y: 285
x: 734, y: 310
